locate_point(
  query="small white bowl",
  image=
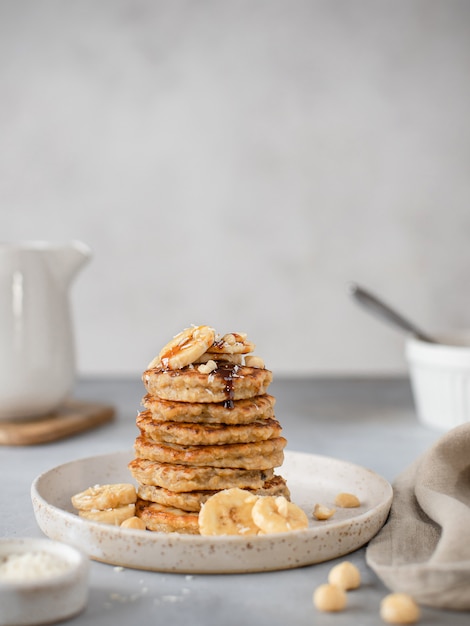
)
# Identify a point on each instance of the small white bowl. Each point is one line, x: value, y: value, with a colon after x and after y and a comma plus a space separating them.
x: 440, y: 379
x: 41, y: 599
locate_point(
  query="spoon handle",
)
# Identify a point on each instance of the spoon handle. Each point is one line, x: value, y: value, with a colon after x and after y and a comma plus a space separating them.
x: 384, y: 311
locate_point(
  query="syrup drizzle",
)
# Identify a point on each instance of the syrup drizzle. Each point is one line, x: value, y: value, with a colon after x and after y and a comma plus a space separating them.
x: 173, y: 351
x: 227, y: 372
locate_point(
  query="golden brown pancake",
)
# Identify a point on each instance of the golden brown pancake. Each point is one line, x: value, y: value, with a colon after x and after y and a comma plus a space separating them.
x: 188, y: 478
x: 243, y: 411
x: 226, y: 383
x: 257, y: 455
x: 208, y: 425
x: 158, y: 517
x: 187, y: 433
x: 192, y: 500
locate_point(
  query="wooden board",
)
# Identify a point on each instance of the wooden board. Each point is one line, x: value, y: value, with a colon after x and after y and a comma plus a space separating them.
x: 73, y: 417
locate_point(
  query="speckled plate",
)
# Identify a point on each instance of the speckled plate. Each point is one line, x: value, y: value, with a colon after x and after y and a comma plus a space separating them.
x: 310, y: 478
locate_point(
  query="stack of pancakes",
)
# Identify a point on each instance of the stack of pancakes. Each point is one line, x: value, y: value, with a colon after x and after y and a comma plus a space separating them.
x: 208, y: 425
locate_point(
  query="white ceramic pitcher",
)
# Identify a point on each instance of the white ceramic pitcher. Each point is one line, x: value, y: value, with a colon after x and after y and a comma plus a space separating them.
x: 37, y: 349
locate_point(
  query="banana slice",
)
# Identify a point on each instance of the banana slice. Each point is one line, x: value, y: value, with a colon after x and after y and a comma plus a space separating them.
x: 101, y: 497
x: 185, y: 348
x: 228, y: 512
x: 275, y: 514
x: 114, y: 516
x: 232, y: 343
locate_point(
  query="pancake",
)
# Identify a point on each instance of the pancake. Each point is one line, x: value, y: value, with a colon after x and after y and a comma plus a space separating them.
x: 192, y: 500
x: 242, y: 412
x: 207, y: 425
x: 187, y: 478
x: 187, y: 433
x: 226, y: 383
x: 257, y: 455
x: 158, y: 517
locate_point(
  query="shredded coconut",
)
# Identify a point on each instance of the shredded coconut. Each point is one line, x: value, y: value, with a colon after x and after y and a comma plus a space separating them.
x: 31, y: 566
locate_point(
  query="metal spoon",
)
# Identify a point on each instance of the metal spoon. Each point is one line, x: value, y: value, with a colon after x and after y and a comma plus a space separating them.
x: 384, y: 311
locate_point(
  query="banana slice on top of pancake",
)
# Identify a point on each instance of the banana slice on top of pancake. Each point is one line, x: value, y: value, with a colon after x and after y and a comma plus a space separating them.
x: 185, y: 348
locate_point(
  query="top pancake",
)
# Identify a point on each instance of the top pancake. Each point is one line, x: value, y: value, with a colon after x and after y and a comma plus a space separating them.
x: 227, y: 383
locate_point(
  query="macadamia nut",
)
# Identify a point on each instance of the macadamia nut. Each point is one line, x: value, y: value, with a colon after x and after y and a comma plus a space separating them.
x: 254, y: 361
x: 347, y: 501
x: 345, y: 575
x: 399, y: 608
x: 329, y: 598
x: 322, y: 512
x: 207, y: 368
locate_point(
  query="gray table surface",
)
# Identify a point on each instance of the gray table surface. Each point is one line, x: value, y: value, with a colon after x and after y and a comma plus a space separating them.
x: 370, y: 422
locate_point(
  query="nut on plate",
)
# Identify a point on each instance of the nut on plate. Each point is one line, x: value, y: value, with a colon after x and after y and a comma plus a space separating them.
x: 347, y: 501
x: 322, y: 512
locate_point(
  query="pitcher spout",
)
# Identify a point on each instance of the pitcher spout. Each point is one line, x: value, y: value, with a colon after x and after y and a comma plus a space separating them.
x: 67, y: 260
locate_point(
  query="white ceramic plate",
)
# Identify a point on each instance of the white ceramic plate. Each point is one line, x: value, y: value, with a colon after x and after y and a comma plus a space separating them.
x: 310, y: 478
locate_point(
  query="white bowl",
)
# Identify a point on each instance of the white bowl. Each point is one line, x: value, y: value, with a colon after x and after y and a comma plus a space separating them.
x: 38, y: 597
x: 440, y: 379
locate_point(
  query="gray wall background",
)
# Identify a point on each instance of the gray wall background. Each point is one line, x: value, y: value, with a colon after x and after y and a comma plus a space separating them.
x: 236, y: 163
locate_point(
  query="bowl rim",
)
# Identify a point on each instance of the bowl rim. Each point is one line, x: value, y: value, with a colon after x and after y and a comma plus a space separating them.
x: 77, y: 561
x: 448, y: 338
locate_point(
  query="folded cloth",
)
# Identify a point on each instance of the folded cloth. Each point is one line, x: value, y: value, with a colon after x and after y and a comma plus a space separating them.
x: 424, y: 547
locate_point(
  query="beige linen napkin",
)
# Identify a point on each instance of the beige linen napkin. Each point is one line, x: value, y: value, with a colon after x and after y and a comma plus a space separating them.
x: 424, y: 547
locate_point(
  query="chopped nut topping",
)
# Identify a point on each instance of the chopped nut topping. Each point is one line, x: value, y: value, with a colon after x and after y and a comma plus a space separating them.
x: 207, y: 368
x: 254, y: 361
